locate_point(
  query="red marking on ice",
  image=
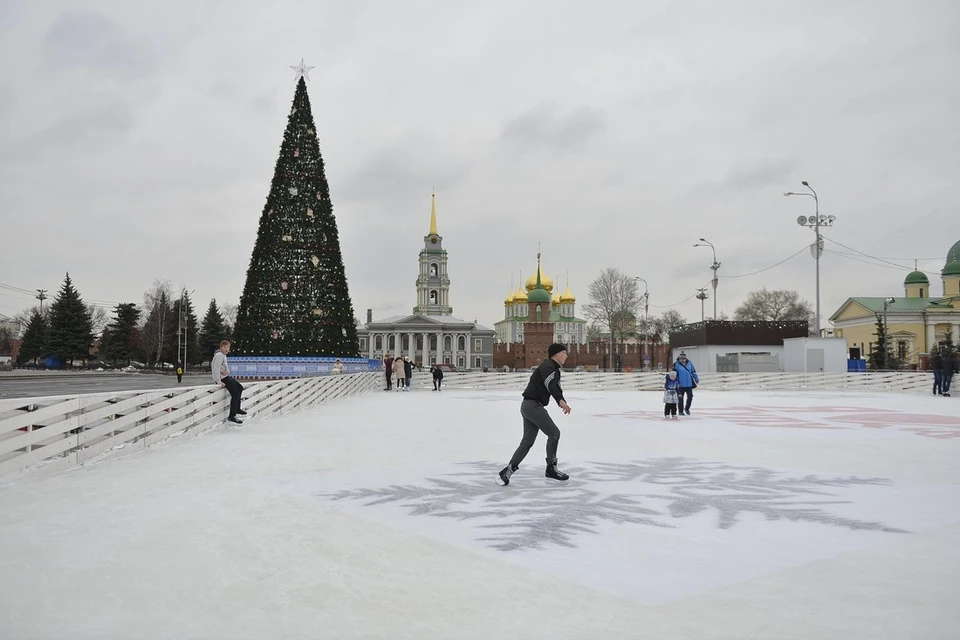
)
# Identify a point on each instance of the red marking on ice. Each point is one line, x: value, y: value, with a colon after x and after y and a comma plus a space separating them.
x: 832, y: 417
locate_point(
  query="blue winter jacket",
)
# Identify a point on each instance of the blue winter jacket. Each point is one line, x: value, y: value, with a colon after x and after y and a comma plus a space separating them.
x: 686, y: 374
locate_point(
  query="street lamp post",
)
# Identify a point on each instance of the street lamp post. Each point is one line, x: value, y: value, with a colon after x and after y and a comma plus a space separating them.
x: 714, y: 266
x: 814, y: 222
x: 646, y: 319
x: 886, y: 334
x: 701, y: 297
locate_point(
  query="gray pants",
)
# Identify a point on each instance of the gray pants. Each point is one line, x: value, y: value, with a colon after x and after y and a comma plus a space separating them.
x: 536, y: 419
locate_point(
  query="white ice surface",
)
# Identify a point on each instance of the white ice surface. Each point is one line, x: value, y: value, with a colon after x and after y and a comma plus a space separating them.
x: 769, y: 515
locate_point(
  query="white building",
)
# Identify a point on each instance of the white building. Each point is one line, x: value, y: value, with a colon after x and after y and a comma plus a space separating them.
x: 431, y: 334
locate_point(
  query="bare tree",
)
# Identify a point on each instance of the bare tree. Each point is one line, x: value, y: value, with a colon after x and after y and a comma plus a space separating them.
x: 774, y: 305
x: 99, y: 319
x: 662, y: 324
x: 229, y: 311
x: 157, y: 319
x: 612, y: 295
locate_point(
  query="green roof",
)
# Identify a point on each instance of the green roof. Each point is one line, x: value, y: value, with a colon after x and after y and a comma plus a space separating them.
x: 899, y: 305
x: 916, y: 277
x: 539, y: 295
x: 952, y: 265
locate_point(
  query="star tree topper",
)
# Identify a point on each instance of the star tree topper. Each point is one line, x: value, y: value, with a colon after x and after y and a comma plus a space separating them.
x: 302, y: 70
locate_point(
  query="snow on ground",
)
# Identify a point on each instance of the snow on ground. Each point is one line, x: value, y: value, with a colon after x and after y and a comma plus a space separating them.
x: 771, y: 515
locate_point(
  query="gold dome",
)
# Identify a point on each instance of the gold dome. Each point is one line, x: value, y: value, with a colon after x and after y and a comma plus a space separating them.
x: 520, y: 296
x: 556, y: 299
x: 545, y: 281
x: 567, y: 296
x: 509, y: 298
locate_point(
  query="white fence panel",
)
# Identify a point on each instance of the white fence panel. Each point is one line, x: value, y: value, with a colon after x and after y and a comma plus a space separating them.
x: 53, y: 433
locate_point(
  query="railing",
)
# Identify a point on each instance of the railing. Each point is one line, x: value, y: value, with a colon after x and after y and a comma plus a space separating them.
x: 52, y: 433
x: 908, y: 381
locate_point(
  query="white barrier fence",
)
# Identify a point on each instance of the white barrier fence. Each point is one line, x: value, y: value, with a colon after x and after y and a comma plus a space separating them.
x: 53, y: 433
x: 905, y: 381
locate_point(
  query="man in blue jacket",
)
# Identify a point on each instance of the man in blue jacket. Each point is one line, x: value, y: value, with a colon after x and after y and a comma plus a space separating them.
x: 688, y: 378
x: 544, y: 384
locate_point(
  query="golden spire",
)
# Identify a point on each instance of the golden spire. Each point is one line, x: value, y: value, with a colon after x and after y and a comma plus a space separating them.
x: 433, y: 214
x: 567, y: 295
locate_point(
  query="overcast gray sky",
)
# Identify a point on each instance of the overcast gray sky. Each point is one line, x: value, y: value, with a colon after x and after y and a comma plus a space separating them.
x: 138, y: 141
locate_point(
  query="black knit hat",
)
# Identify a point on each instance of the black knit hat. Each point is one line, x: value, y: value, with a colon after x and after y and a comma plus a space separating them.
x: 555, y: 348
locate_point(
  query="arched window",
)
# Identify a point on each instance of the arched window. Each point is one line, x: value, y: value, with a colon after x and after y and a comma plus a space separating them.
x: 478, y: 363
x: 460, y: 362
x: 433, y: 269
x: 433, y: 342
x: 378, y: 343
x: 921, y: 292
x: 446, y: 344
x: 538, y: 313
x: 433, y: 296
x: 461, y: 344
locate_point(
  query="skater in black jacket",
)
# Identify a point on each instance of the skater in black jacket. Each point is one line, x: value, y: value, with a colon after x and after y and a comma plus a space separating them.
x: 544, y: 384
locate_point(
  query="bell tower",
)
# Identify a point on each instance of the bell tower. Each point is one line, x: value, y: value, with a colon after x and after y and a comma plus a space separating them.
x: 433, y: 283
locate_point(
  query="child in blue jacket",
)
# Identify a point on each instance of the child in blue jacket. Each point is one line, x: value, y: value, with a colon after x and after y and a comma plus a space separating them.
x: 670, y: 387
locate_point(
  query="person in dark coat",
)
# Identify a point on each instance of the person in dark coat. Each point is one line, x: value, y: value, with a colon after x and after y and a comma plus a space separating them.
x: 544, y: 384
x: 388, y: 370
x: 407, y: 371
x: 437, y: 377
x: 936, y: 365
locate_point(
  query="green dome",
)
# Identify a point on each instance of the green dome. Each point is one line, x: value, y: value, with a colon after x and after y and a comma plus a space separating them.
x: 916, y: 277
x: 539, y: 295
x: 952, y: 267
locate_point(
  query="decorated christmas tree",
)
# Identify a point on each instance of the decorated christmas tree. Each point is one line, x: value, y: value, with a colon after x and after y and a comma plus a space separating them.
x: 295, y: 301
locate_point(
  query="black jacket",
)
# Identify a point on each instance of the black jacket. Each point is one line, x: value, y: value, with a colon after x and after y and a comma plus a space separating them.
x: 936, y: 363
x: 544, y: 383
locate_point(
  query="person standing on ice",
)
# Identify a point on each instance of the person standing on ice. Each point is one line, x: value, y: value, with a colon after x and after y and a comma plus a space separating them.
x: 388, y: 369
x: 688, y: 378
x: 544, y: 384
x: 670, y: 387
x: 400, y: 371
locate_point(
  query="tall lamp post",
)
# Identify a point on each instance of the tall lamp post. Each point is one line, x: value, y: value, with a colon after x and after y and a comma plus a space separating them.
x: 701, y: 296
x: 714, y: 266
x: 814, y: 222
x: 886, y: 333
x: 646, y: 319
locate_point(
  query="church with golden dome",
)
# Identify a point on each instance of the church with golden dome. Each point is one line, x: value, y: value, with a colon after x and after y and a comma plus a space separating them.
x: 917, y: 321
x: 558, y: 309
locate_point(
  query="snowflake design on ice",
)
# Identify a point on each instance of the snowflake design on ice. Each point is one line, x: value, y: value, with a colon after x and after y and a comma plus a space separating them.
x: 526, y: 515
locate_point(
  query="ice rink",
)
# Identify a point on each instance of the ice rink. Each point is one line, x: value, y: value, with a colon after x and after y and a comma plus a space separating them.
x: 775, y: 515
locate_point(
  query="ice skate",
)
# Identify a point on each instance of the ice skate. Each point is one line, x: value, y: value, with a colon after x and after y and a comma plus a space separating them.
x: 554, y: 473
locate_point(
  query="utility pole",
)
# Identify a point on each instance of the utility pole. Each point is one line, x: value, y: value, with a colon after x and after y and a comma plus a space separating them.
x: 41, y: 296
x: 701, y: 296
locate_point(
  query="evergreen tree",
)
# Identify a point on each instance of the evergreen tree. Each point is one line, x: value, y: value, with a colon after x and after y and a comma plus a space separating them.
x: 34, y: 339
x: 71, y: 332
x: 882, y: 357
x: 295, y: 300
x: 947, y: 348
x: 188, y: 325
x: 121, y: 338
x: 212, y: 331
